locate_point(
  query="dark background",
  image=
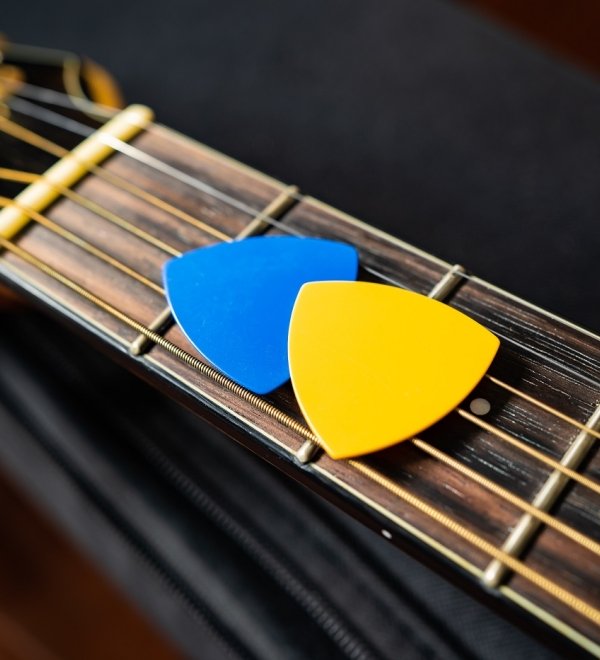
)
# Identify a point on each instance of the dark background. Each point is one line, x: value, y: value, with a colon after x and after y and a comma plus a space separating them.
x: 418, y: 116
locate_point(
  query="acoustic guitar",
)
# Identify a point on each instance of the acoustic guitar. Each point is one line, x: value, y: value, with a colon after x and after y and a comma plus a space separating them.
x: 502, y: 494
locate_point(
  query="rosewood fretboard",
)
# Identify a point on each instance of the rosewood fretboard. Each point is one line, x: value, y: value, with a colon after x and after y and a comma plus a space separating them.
x: 540, y: 355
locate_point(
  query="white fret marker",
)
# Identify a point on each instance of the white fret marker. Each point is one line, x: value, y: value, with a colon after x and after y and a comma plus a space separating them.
x: 386, y: 534
x: 480, y: 406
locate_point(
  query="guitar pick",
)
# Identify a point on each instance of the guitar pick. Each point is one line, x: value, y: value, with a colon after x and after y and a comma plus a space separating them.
x: 372, y: 365
x: 234, y: 300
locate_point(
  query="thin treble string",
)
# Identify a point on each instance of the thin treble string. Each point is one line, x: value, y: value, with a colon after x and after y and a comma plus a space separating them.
x: 100, y: 254
x: 78, y: 128
x: 141, y: 156
x: 567, y: 418
x: 380, y: 274
x: 97, y: 209
x: 64, y: 100
x: 543, y: 406
x: 55, y: 97
x: 49, y: 116
x: 31, y: 137
x: 537, y: 353
x: 100, y: 171
x: 551, y: 587
x: 377, y: 273
x: 81, y: 243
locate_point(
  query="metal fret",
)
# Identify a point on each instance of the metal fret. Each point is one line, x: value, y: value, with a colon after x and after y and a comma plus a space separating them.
x: 398, y: 496
x: 160, y: 324
x: 275, y: 210
x: 448, y: 283
x: 548, y: 494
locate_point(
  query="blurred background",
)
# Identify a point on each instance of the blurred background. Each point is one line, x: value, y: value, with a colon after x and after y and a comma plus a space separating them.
x: 470, y: 129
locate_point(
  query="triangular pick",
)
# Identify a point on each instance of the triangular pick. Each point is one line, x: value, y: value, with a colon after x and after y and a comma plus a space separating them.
x: 234, y: 300
x: 372, y: 365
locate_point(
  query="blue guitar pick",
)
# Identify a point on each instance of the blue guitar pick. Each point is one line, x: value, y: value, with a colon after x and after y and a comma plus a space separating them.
x: 234, y: 300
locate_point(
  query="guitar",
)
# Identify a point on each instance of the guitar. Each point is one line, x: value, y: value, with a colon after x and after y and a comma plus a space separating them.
x: 502, y: 493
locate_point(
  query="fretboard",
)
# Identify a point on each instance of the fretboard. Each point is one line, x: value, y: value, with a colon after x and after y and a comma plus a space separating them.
x: 501, y: 500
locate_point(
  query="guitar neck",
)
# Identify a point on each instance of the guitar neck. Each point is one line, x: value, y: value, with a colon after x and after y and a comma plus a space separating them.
x: 466, y: 494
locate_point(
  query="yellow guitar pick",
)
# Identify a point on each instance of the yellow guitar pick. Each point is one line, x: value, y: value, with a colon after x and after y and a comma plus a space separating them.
x: 372, y: 365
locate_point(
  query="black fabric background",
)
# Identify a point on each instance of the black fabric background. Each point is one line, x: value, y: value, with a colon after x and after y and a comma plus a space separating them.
x: 414, y: 115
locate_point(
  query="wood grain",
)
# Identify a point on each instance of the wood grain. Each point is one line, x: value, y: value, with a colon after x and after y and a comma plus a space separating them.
x: 540, y: 354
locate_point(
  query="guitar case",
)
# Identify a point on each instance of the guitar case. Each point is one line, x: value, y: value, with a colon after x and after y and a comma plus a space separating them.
x: 227, y: 556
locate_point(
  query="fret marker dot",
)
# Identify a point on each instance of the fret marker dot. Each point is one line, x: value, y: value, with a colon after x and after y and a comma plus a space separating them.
x: 480, y: 406
x: 386, y: 534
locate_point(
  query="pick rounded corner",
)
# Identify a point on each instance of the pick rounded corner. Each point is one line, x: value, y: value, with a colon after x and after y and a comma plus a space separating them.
x: 361, y: 396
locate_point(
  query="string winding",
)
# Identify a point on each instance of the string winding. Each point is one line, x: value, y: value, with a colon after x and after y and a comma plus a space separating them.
x: 50, y: 96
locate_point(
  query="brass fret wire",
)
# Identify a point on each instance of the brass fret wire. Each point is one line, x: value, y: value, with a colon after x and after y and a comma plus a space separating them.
x: 566, y: 597
x: 492, y: 486
x: 184, y: 356
x: 83, y: 244
x: 473, y: 419
x: 585, y: 609
x: 573, y: 601
x: 90, y: 205
x: 57, y: 150
x: 528, y: 449
x: 32, y: 138
x: 60, y: 152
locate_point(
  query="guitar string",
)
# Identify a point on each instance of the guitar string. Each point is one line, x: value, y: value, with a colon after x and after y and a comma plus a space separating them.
x: 14, y: 175
x: 64, y: 100
x: 57, y: 119
x: 87, y: 203
x: 55, y: 149
x: 516, y: 565
x: 490, y: 485
x: 34, y: 139
x: 545, y: 407
x: 55, y: 97
x: 81, y: 243
x: 563, y: 595
x: 24, y: 134
x: 100, y: 254
x: 133, y: 152
x: 505, y: 436
x: 54, y: 118
x: 512, y: 440
x: 573, y: 534
x: 566, y: 596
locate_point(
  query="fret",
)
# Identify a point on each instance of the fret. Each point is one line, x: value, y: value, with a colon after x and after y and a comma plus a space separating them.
x: 537, y: 334
x: 275, y: 210
x: 159, y: 324
x: 408, y: 266
x: 551, y: 490
x: 273, y: 427
x: 257, y: 226
x: 449, y: 282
